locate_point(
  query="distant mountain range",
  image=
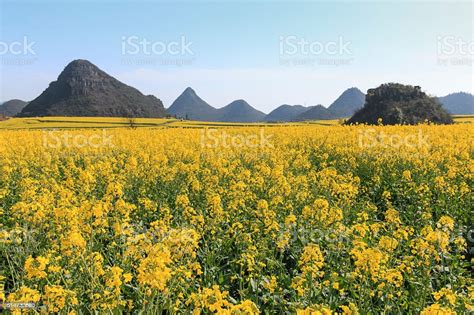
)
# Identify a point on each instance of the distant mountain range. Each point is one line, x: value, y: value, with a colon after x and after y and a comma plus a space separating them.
x: 458, y: 103
x: 344, y: 106
x: 82, y: 89
x: 12, y: 107
x: 240, y: 111
x: 348, y: 103
x: 190, y: 106
x: 316, y: 113
x: 286, y: 113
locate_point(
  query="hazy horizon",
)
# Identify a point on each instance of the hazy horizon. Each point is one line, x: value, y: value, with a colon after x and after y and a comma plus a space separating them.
x: 268, y: 54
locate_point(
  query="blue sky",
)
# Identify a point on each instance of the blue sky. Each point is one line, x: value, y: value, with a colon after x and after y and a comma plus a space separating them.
x: 242, y: 49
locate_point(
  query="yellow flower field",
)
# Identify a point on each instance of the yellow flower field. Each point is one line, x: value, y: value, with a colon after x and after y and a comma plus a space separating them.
x: 238, y: 220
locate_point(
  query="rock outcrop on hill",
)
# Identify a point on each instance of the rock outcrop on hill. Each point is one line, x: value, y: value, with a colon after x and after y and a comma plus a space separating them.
x: 82, y: 89
x: 400, y: 104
